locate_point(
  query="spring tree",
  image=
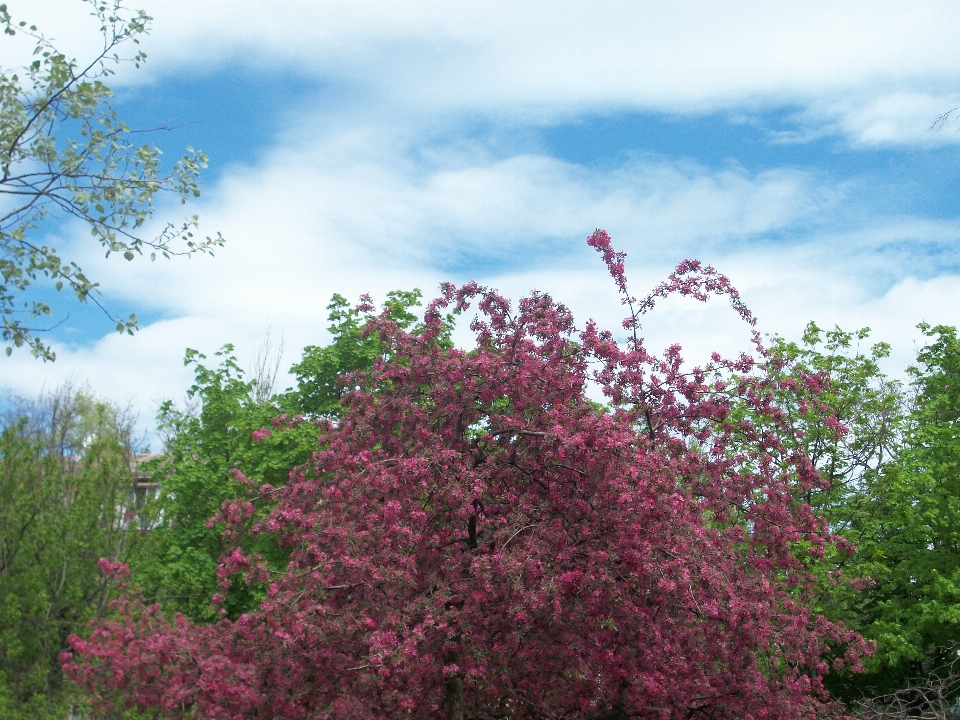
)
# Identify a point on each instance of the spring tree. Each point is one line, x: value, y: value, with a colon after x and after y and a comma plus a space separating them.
x: 910, y: 544
x: 848, y: 417
x: 475, y: 538
x: 889, y: 456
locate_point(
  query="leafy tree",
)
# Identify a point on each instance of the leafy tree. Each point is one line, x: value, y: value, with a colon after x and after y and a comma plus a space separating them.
x: 240, y: 434
x: 473, y: 537
x: 848, y: 417
x: 65, y: 153
x: 891, y: 461
x: 910, y: 543
x: 199, y: 472
x: 64, y: 484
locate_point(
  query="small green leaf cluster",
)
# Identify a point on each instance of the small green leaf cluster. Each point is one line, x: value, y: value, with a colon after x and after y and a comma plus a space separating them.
x: 319, y: 389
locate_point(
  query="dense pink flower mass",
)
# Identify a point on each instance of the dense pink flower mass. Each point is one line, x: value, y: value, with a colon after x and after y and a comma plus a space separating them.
x: 475, y: 538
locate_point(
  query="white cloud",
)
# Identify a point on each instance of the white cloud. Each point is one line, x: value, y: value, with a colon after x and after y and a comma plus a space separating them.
x: 878, y: 72
x: 871, y: 65
x: 307, y: 223
x: 904, y: 117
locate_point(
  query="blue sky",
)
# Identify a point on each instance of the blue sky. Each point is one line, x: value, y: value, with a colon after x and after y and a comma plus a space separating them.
x: 364, y: 146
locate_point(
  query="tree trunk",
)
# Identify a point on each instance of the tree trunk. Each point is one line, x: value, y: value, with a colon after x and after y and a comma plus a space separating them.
x: 455, y: 709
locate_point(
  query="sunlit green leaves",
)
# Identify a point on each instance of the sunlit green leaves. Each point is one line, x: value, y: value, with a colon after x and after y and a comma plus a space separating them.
x: 65, y: 153
x: 894, y: 494
x: 318, y: 371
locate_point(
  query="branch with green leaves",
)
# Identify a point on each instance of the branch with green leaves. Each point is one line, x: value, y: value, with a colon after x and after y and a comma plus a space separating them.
x: 66, y: 154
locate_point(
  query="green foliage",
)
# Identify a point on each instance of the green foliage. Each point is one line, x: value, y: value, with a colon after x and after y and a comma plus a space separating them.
x: 319, y: 391
x: 198, y: 474
x: 220, y: 452
x: 848, y: 418
x: 856, y: 394
x: 64, y: 152
x: 894, y: 495
x: 64, y: 485
x: 911, y: 540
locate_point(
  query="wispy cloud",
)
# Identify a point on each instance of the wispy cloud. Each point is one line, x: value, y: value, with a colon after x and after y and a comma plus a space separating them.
x: 897, y: 118
x: 305, y: 224
x: 866, y: 69
x: 553, y: 59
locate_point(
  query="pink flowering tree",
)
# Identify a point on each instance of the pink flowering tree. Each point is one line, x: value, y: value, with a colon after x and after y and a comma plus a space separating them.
x: 476, y: 538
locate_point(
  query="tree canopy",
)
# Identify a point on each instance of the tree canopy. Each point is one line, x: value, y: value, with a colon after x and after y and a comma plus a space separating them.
x: 416, y: 530
x: 909, y: 540
x: 474, y: 536
x: 66, y: 500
